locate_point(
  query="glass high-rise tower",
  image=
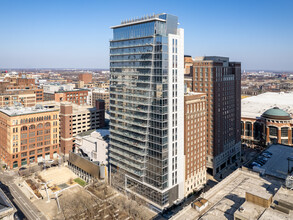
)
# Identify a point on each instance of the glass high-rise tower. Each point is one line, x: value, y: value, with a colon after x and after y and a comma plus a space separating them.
x: 147, y: 108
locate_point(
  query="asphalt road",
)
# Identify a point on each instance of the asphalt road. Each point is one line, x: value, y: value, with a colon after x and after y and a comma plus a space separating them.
x: 26, y: 209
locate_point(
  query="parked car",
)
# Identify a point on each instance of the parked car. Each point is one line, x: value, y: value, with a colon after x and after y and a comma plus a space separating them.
x: 266, y: 155
x: 267, y: 152
x: 255, y: 164
x: 263, y: 158
x: 260, y: 162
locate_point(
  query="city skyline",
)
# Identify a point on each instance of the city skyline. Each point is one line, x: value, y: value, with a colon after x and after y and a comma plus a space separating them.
x: 63, y: 34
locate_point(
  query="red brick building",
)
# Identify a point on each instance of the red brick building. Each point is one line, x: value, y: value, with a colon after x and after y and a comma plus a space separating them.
x: 194, y: 141
x: 220, y: 80
x: 78, y: 97
x: 77, y: 119
x: 85, y: 77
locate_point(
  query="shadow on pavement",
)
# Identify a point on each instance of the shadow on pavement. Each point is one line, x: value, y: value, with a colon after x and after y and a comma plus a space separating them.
x: 18, y: 215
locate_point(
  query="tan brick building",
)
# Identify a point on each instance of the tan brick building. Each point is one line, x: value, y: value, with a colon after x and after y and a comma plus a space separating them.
x: 102, y: 85
x: 188, y: 65
x: 12, y: 84
x: 194, y: 141
x: 101, y: 94
x: 26, y: 97
x: 28, y: 135
x: 220, y: 80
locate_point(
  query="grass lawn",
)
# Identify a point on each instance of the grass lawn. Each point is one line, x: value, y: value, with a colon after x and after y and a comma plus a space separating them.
x: 80, y: 181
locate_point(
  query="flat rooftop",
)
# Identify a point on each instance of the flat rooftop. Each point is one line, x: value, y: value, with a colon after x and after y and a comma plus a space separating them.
x: 228, y: 196
x: 75, y: 107
x: 254, y: 106
x: 17, y: 110
x: 277, y: 165
x: 102, y: 131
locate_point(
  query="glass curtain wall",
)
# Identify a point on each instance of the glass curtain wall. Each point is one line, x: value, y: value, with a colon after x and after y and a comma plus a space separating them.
x: 138, y: 102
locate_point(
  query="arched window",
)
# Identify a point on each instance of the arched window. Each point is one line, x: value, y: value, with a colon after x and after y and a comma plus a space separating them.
x: 32, y: 127
x: 24, y: 128
x: 284, y: 132
x: 248, y: 129
x: 257, y: 130
x: 47, y: 124
x: 40, y: 126
x: 273, y: 131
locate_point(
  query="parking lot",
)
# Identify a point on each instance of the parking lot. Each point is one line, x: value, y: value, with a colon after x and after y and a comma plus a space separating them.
x: 277, y: 164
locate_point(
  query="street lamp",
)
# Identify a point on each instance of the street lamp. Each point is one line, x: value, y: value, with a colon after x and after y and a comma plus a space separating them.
x: 46, y: 187
x: 56, y: 196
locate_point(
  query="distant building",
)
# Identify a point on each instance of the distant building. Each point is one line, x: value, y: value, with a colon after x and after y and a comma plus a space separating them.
x: 56, y: 87
x: 194, y: 141
x: 188, y: 65
x: 267, y: 119
x: 80, y: 84
x: 12, y: 84
x: 94, y: 143
x: 26, y: 98
x: 103, y: 85
x: 220, y: 80
x: 28, y: 135
x: 85, y: 77
x: 101, y: 94
x: 76, y: 96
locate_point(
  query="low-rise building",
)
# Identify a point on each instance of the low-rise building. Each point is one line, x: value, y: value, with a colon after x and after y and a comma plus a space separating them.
x: 244, y: 195
x: 267, y: 119
x: 28, y: 135
x: 85, y: 77
x: 26, y: 98
x: 15, y: 84
x: 101, y: 94
x: 102, y: 85
x: 94, y: 143
x: 55, y: 87
x: 76, y: 96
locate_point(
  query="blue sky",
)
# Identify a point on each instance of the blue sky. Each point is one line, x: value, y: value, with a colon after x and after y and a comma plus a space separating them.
x: 76, y: 33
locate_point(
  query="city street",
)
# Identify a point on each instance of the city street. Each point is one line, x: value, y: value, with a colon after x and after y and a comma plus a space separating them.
x: 25, y: 209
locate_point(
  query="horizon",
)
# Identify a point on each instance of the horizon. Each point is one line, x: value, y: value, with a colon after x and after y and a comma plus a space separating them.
x: 75, y: 34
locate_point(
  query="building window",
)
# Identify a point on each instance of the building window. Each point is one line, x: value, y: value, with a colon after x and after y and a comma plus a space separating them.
x: 273, y: 131
x: 284, y: 132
